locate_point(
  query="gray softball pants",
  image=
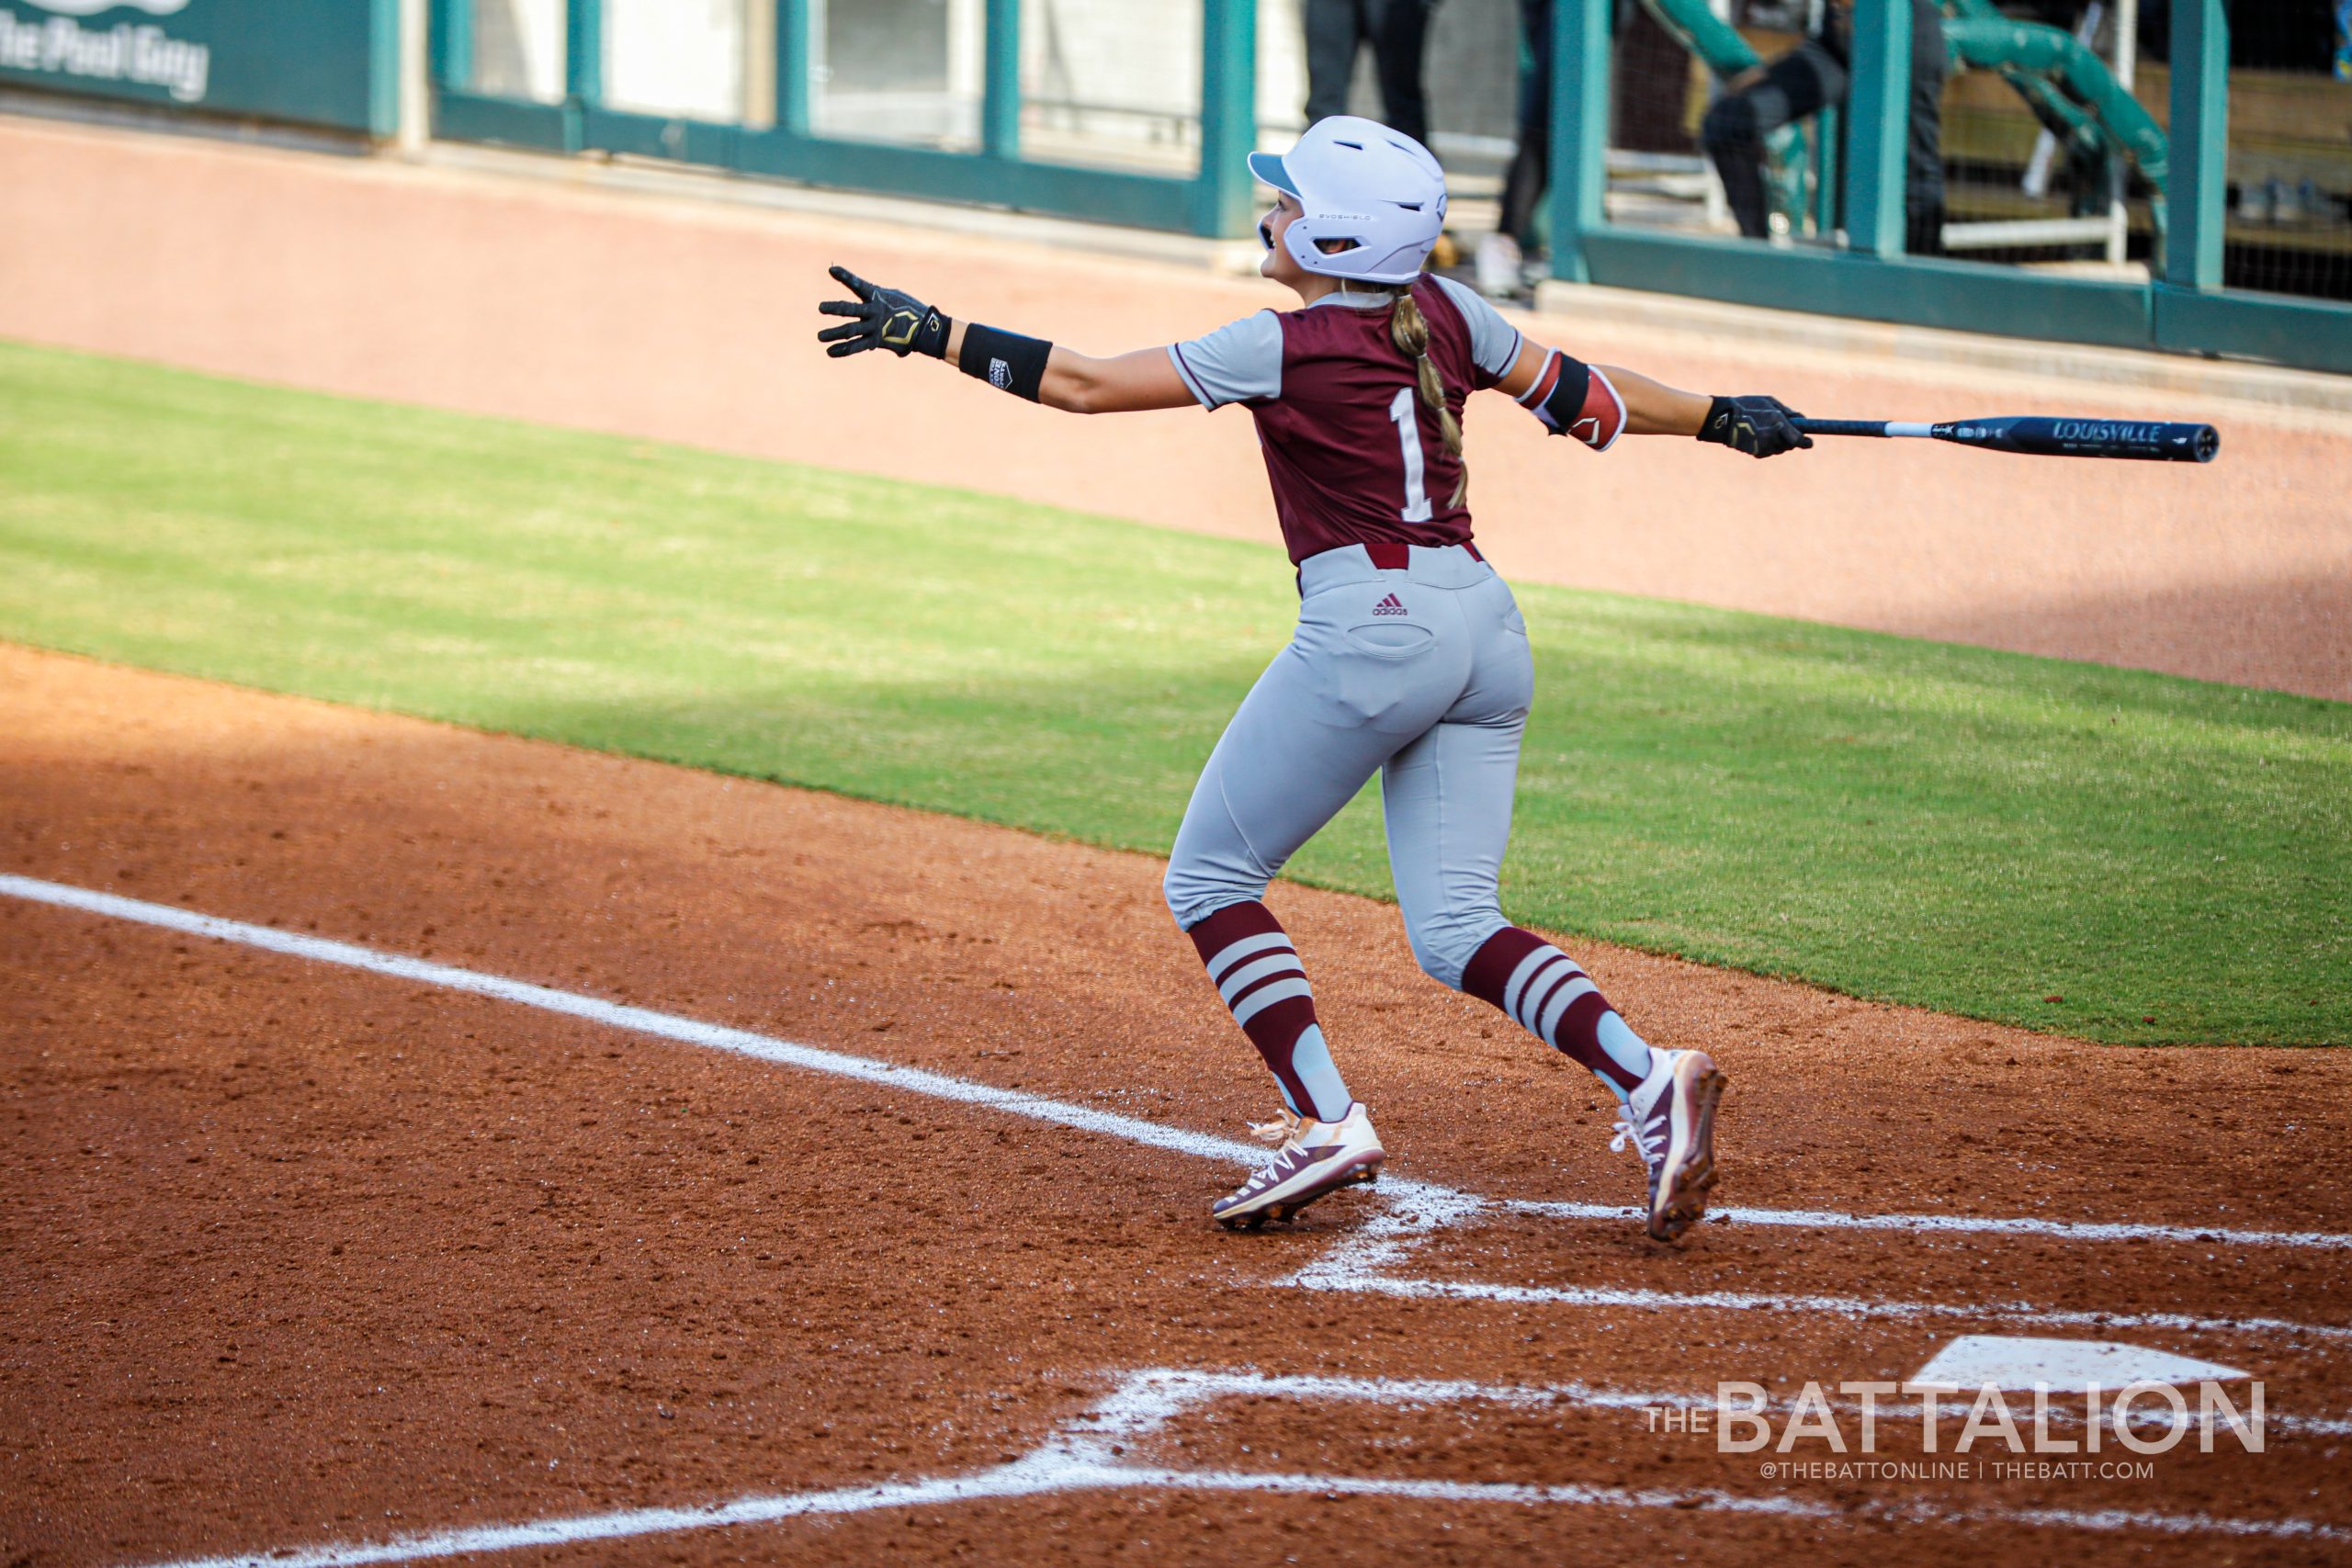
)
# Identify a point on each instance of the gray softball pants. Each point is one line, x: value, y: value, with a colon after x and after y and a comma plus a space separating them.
x: 1423, y: 674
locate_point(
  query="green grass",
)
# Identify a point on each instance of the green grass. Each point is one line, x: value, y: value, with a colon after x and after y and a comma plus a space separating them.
x: 1970, y: 831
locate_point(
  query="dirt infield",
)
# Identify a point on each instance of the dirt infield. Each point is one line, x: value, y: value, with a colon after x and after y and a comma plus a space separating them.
x: 692, y: 321
x: 308, y: 1245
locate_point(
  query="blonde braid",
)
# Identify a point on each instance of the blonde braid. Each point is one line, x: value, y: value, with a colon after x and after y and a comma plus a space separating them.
x: 1412, y: 334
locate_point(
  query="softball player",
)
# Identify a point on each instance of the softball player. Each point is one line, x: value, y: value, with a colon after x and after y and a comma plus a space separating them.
x: 1410, y: 658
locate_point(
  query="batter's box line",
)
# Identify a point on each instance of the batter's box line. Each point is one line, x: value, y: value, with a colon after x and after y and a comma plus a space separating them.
x: 1088, y: 1453
x: 1418, y: 1207
x: 1365, y: 1263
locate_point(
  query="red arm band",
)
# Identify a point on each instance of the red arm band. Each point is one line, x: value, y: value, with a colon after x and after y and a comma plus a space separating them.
x: 1573, y: 399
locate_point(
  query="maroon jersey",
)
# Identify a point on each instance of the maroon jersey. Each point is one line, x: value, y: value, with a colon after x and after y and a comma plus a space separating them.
x: 1354, y: 454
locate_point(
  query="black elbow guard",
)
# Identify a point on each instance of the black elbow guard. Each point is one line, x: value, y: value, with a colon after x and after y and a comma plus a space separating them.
x: 1005, y: 360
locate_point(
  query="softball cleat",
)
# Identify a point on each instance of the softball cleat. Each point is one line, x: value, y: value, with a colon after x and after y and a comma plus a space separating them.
x: 1670, y: 1118
x: 1315, y: 1158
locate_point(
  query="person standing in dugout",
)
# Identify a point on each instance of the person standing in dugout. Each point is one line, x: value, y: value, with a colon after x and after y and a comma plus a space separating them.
x: 1410, y: 658
x: 1812, y: 77
x: 1397, y: 30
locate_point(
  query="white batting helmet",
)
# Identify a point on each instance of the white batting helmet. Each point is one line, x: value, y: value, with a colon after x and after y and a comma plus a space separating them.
x: 1357, y: 180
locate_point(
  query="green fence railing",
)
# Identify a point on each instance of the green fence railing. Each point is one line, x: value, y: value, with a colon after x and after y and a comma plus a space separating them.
x: 2183, y: 308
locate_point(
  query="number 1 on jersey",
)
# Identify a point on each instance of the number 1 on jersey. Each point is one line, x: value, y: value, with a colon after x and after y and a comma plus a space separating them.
x: 1409, y: 437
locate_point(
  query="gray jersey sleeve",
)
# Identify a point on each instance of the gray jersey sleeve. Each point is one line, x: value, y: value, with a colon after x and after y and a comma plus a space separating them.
x: 1237, y: 362
x: 1494, y: 343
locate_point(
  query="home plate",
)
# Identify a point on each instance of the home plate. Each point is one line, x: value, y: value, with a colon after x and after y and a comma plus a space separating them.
x: 2063, y: 1366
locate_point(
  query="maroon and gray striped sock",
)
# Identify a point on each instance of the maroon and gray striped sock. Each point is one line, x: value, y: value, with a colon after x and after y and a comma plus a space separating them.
x: 1255, y: 968
x: 1546, y: 993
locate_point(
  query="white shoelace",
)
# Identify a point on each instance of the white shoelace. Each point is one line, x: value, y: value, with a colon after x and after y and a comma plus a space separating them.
x: 1283, y: 1132
x: 1628, y: 1130
x: 1280, y: 1131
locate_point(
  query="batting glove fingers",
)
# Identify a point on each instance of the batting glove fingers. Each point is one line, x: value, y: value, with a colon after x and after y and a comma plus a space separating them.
x: 881, y: 318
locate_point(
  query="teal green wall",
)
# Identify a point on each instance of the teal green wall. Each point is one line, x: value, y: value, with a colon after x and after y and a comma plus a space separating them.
x: 328, y: 62
x: 333, y: 63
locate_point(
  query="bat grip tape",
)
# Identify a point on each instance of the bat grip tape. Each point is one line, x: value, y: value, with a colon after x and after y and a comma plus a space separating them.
x: 1857, y: 427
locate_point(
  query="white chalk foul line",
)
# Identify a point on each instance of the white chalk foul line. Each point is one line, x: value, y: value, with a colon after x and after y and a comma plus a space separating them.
x: 1084, y: 1454
x: 641, y: 1021
x: 1417, y: 1209
x: 1005, y: 1480
x: 1337, y: 1275
x: 1964, y: 1224
x: 1151, y: 1397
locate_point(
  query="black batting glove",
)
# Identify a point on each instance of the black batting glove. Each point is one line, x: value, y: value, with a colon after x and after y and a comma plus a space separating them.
x: 882, y: 317
x: 1761, y: 428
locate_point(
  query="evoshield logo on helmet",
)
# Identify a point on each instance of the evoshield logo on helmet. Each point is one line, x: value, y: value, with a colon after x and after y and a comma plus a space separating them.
x: 1371, y: 200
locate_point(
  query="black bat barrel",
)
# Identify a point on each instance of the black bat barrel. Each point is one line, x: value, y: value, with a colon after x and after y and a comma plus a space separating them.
x: 2129, y: 438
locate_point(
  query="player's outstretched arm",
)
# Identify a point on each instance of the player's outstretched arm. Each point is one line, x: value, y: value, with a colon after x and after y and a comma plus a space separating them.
x: 1597, y: 403
x: 1040, y: 371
